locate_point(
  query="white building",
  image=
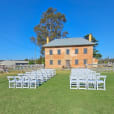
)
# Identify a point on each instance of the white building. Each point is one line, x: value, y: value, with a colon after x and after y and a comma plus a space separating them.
x: 8, y: 63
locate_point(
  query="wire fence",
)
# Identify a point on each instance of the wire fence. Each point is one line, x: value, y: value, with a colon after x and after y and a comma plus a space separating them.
x: 101, y: 67
x: 21, y: 67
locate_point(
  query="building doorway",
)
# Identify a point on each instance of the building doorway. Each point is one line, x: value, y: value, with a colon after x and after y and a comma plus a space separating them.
x: 68, y: 63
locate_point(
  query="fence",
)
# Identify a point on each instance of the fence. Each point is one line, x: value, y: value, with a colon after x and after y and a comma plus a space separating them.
x: 101, y: 67
x: 22, y: 67
x: 29, y: 67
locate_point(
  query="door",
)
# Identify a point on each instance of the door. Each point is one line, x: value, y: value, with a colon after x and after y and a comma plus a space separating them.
x: 68, y: 63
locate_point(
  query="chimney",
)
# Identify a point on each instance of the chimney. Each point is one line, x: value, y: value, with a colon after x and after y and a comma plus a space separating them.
x: 47, y: 39
x: 90, y: 37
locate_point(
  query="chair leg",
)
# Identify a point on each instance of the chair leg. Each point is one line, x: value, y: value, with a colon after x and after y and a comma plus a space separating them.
x: 97, y: 86
x: 35, y: 84
x: 9, y: 84
x: 70, y: 85
x: 104, y: 86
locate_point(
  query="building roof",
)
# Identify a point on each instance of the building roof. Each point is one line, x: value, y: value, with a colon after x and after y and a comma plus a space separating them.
x: 68, y: 42
x: 12, y: 62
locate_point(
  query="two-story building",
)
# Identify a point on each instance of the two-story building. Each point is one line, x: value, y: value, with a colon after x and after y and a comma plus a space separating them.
x: 69, y: 52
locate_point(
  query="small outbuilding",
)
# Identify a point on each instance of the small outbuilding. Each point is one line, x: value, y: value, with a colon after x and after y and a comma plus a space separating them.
x: 9, y: 63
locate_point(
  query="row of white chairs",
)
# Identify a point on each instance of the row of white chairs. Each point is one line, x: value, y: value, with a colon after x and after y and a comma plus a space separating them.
x: 31, y: 79
x: 87, y: 79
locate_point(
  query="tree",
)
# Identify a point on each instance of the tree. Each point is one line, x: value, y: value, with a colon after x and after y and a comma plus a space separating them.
x: 26, y: 60
x: 96, y: 53
x: 51, y: 26
x: 31, y: 61
x: 33, y: 40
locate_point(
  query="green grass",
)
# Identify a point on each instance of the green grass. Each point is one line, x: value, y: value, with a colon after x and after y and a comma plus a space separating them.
x: 55, y: 97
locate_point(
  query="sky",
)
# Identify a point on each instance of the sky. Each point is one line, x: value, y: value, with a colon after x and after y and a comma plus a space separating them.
x: 19, y: 17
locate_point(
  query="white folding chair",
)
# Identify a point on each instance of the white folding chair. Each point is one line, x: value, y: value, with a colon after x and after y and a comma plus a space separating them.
x: 34, y: 74
x: 74, y: 83
x: 20, y: 74
x: 49, y: 74
x: 25, y: 82
x: 32, y: 82
x: 12, y: 81
x: 101, y: 85
x: 19, y: 80
x: 82, y: 81
x: 44, y: 74
x: 91, y: 81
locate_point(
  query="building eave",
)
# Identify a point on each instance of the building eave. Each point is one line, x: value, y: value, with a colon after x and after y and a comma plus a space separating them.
x: 68, y: 46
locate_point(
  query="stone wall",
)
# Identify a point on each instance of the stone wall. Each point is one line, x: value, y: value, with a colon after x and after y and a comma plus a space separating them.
x: 72, y: 56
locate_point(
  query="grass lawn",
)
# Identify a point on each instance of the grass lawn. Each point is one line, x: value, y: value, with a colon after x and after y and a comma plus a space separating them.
x: 55, y: 97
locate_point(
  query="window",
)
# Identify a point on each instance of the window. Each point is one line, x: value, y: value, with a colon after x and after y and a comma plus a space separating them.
x: 85, y: 61
x: 85, y: 50
x: 59, y: 62
x: 76, y: 62
x: 50, y: 52
x: 67, y: 51
x: 76, y: 51
x: 59, y: 51
x: 51, y: 62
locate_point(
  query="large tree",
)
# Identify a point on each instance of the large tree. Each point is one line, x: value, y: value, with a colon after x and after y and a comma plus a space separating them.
x: 51, y: 26
x: 96, y: 53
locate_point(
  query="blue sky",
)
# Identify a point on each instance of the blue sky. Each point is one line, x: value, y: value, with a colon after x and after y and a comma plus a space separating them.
x: 18, y: 18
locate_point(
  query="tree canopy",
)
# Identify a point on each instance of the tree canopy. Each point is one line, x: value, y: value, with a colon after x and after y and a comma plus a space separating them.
x: 96, y: 53
x: 51, y: 26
